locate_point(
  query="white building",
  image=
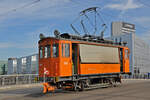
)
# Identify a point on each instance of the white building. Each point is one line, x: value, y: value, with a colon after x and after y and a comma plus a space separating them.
x: 12, y: 66
x: 120, y: 28
x: 32, y: 64
x: 139, y: 50
x: 23, y: 65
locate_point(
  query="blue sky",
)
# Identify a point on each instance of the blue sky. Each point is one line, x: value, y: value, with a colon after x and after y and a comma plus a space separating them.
x: 21, y: 22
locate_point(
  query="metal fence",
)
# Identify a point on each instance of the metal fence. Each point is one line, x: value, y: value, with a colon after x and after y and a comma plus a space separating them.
x: 137, y: 76
x: 19, y: 79
x: 34, y: 78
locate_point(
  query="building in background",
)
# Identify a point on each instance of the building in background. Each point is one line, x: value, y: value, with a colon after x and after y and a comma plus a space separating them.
x: 23, y: 65
x: 32, y: 64
x: 120, y: 28
x: 3, y: 67
x: 12, y: 66
x: 139, y: 49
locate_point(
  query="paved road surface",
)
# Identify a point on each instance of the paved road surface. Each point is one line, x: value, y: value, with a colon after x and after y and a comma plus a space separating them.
x: 129, y: 90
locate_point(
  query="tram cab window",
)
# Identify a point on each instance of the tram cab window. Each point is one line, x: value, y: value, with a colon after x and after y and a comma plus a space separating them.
x: 45, y: 55
x: 41, y: 52
x: 66, y: 50
x: 55, y: 50
x: 47, y: 51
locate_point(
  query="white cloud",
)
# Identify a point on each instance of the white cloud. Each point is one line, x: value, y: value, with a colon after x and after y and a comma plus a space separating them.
x: 124, y: 5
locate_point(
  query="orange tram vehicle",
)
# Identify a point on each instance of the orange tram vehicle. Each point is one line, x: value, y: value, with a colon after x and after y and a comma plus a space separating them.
x: 76, y: 63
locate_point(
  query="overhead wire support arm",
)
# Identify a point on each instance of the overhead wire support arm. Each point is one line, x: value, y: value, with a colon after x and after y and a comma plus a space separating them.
x: 102, y: 32
x: 84, y: 29
x: 74, y: 29
x: 88, y: 10
x: 92, y: 9
x: 89, y: 20
x: 100, y: 17
x: 95, y: 24
x: 103, y: 25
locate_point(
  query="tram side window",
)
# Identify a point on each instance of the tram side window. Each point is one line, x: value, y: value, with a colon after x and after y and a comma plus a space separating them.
x: 55, y: 50
x: 62, y: 50
x: 41, y: 52
x: 67, y: 50
x: 47, y: 51
x: 126, y: 54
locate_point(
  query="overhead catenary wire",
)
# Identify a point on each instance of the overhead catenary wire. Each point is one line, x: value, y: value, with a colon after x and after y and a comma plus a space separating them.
x: 95, y: 24
x: 18, y: 8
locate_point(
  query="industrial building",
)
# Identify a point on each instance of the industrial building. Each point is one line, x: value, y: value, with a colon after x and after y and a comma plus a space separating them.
x: 23, y: 65
x: 139, y: 49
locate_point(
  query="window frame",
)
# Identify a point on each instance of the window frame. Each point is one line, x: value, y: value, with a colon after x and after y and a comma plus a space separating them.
x: 67, y: 49
x: 64, y: 50
x: 57, y: 50
x: 41, y: 48
x: 48, y: 52
x: 45, y: 51
x: 126, y: 54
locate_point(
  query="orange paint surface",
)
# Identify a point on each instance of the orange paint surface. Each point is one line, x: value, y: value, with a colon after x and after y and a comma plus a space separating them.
x: 65, y: 67
x: 127, y: 68
x: 99, y: 68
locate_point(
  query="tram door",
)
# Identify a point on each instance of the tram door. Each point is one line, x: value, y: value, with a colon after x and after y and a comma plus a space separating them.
x: 66, y: 63
x: 126, y: 60
x: 74, y: 58
x: 121, y: 60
